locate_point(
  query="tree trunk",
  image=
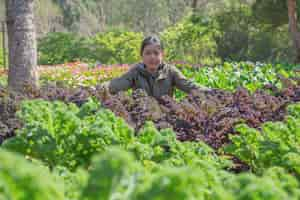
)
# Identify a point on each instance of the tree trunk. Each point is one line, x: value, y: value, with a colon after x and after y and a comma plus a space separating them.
x: 22, y: 45
x: 194, y: 4
x: 292, y: 12
x: 195, y: 7
x: 102, y: 16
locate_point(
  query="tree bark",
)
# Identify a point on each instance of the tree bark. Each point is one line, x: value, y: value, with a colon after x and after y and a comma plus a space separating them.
x: 194, y: 5
x: 22, y: 45
x: 295, y: 34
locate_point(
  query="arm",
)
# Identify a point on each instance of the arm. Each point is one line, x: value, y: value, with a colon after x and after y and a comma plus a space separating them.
x: 181, y: 82
x: 121, y: 83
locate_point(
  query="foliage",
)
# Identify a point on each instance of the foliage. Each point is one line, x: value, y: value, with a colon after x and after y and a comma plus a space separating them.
x: 192, y: 40
x: 275, y: 184
x: 117, y: 47
x: 109, y: 47
x: 22, y: 180
x: 65, y: 135
x: 124, y: 178
x: 203, y: 115
x: 244, y: 36
x: 79, y: 74
x: 230, y: 76
x: 116, y: 174
x: 95, y: 155
x: 271, y: 11
x: 58, y: 47
x: 277, y: 144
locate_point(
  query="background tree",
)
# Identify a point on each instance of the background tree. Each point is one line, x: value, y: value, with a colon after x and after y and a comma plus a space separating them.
x: 254, y: 30
x: 292, y: 13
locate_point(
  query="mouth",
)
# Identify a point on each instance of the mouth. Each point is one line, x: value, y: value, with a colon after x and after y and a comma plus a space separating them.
x: 153, y: 63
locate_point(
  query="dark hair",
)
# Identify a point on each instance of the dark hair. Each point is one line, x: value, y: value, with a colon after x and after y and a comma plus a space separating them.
x: 149, y: 41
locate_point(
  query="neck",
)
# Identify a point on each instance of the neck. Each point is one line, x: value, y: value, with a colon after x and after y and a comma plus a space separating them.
x: 152, y: 71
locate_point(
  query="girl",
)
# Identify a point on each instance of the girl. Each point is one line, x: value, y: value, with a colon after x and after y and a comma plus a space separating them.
x: 152, y: 74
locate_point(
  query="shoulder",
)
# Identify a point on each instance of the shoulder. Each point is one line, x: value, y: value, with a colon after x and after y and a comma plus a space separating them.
x: 166, y: 67
x: 170, y: 68
x: 133, y: 69
x: 167, y: 70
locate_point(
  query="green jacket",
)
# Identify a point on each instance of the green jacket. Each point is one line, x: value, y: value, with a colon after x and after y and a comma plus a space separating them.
x: 162, y: 83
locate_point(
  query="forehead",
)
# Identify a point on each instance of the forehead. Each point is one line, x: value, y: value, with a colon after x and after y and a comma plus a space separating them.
x: 152, y: 47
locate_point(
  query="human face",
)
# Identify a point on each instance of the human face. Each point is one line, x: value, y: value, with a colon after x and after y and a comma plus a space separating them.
x: 152, y: 57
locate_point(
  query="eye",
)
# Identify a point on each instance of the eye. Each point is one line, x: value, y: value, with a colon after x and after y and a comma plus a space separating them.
x: 147, y: 53
x: 156, y: 53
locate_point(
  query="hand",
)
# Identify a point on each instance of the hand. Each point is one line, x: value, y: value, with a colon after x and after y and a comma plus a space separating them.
x: 103, y: 86
x: 201, y: 90
x: 102, y: 91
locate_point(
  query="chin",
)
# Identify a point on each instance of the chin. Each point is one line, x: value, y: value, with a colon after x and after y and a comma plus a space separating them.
x: 153, y: 67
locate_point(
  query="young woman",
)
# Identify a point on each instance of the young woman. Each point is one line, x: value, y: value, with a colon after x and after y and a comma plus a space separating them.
x: 152, y: 74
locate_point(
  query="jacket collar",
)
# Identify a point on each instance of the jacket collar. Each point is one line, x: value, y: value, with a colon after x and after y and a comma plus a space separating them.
x: 160, y: 74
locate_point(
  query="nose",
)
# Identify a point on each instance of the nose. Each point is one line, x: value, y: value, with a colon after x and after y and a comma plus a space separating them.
x: 153, y: 56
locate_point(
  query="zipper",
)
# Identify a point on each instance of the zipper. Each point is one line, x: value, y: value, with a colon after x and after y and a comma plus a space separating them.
x: 150, y: 85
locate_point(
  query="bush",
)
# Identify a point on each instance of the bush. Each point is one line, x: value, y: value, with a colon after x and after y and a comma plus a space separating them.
x: 244, y: 36
x: 57, y: 48
x: 117, y: 47
x: 192, y: 40
x: 109, y: 48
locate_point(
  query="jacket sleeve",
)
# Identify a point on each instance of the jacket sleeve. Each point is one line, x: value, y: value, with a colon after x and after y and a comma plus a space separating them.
x: 181, y: 82
x: 122, y: 83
